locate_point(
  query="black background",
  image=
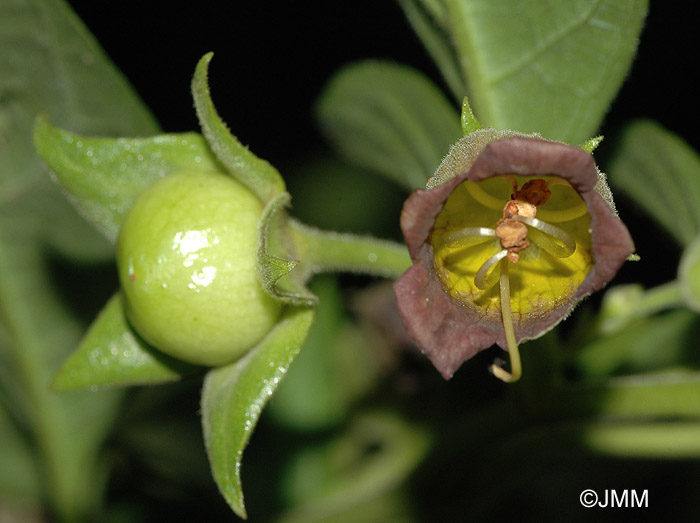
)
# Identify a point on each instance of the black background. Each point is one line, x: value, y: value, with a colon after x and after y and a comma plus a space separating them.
x: 273, y: 58
x: 271, y: 61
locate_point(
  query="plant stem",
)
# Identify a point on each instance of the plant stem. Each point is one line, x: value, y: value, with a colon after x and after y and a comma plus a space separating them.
x: 324, y: 251
x: 665, y: 296
x: 627, y: 303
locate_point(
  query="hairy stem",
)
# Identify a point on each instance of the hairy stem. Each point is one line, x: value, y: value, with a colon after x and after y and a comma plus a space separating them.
x: 324, y: 251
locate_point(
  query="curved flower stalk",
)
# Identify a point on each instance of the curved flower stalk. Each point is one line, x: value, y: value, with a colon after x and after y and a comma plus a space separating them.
x: 512, y: 232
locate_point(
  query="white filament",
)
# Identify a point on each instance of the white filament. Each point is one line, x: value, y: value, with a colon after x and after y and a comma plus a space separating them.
x: 469, y: 235
x: 486, y: 277
x: 563, y: 215
x: 561, y: 250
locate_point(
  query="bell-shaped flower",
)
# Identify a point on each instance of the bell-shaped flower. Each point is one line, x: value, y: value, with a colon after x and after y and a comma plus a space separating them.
x: 511, y: 233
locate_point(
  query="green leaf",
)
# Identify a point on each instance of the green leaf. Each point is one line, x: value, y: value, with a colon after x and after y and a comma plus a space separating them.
x: 624, y: 304
x: 653, y: 343
x: 104, y: 176
x: 429, y: 23
x: 113, y: 354
x: 389, y: 118
x: 233, y: 398
x: 660, y: 172
x: 253, y: 172
x: 672, y: 394
x: 50, y: 64
x: 549, y: 67
x: 660, y: 440
x: 69, y: 428
x: 19, y: 477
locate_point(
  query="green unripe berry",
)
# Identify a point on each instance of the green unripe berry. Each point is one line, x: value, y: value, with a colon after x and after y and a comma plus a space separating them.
x: 187, y: 263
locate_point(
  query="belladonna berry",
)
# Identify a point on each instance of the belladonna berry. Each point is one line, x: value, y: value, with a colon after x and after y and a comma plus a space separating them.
x: 186, y: 256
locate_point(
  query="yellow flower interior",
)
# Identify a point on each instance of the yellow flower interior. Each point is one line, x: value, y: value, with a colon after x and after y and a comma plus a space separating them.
x: 539, y: 281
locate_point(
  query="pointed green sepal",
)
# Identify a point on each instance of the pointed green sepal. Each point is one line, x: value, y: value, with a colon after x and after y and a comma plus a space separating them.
x: 274, y: 250
x: 469, y: 121
x: 592, y: 144
x: 104, y: 176
x: 233, y: 398
x: 113, y: 354
x: 253, y: 172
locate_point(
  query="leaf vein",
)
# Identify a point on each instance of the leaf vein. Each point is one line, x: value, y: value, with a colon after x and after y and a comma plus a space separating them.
x: 538, y: 51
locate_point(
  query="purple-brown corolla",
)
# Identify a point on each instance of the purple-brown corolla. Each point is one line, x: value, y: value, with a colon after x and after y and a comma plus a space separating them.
x: 512, y: 232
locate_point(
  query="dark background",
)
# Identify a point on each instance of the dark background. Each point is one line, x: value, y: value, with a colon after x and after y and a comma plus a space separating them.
x: 273, y: 58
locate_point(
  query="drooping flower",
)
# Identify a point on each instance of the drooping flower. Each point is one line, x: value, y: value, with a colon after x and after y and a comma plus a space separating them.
x: 511, y: 233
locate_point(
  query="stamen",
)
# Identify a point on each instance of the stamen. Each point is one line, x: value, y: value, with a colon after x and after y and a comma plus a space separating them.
x: 555, y: 180
x: 563, y: 215
x: 484, y: 279
x: 483, y: 197
x: 515, y: 365
x: 469, y: 235
x: 568, y: 245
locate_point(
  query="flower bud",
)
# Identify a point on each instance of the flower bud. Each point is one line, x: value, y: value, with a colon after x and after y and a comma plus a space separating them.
x: 187, y: 261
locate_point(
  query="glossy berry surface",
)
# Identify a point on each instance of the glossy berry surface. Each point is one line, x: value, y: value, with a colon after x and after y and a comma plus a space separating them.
x: 186, y: 256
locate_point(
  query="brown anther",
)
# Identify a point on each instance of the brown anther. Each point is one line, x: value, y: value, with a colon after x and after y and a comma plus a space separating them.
x: 520, y: 208
x: 535, y: 192
x: 513, y: 236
